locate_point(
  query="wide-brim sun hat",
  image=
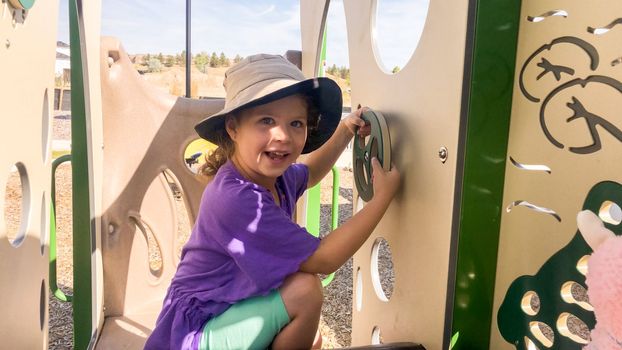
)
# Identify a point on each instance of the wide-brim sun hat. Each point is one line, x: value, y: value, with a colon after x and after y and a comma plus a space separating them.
x: 263, y: 78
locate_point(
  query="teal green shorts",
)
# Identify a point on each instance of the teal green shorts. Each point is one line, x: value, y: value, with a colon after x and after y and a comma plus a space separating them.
x: 249, y: 324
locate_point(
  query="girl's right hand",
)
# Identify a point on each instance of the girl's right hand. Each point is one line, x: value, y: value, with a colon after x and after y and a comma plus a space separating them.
x: 385, y: 183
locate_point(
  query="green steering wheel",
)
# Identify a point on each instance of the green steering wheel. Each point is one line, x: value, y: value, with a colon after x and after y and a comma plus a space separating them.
x: 377, y: 144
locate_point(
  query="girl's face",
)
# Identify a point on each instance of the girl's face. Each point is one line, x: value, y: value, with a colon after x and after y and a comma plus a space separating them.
x: 268, y: 138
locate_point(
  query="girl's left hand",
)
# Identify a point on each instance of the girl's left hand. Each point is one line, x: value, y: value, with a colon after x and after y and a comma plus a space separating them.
x: 355, y: 124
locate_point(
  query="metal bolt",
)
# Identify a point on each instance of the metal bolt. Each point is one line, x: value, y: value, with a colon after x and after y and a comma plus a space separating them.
x: 442, y: 154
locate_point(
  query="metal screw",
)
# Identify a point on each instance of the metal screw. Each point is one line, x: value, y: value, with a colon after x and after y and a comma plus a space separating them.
x: 442, y: 154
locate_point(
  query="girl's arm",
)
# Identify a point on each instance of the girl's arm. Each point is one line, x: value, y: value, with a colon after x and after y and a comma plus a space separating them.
x: 322, y: 160
x: 336, y: 248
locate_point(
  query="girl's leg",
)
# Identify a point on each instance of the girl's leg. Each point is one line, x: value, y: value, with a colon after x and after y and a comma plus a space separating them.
x: 302, y: 295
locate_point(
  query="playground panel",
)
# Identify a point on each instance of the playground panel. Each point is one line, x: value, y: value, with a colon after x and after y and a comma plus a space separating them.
x: 422, y: 104
x: 144, y: 174
x: 565, y: 117
x: 27, y: 72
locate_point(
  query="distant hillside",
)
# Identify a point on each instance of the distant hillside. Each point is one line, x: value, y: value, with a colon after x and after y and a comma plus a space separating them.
x: 209, y: 84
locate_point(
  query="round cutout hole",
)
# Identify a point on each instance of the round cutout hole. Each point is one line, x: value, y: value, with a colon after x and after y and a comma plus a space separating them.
x: 195, y: 152
x: 397, y: 27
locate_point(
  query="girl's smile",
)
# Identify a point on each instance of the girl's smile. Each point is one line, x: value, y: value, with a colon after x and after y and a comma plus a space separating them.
x: 269, y: 138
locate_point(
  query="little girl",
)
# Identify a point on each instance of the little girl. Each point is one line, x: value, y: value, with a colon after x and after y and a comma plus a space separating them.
x: 247, y: 278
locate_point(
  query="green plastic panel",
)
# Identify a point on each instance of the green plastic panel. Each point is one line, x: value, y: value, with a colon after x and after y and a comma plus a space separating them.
x: 82, y: 235
x: 489, y: 76
x: 57, y: 292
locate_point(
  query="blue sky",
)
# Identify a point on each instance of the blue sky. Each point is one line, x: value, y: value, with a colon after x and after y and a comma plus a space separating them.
x: 250, y: 26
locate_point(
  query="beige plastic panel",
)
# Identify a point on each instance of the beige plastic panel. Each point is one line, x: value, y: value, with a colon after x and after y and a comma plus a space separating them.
x: 90, y: 24
x: 145, y: 132
x: 528, y: 238
x: 422, y: 104
x: 312, y: 17
x: 27, y: 54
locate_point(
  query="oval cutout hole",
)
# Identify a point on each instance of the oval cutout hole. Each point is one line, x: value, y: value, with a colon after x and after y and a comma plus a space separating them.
x: 574, y: 293
x: 376, y: 337
x: 45, y: 217
x: 43, y: 306
x: 582, y: 265
x: 153, y: 246
x: 572, y: 327
x: 382, y: 274
x: 542, y: 332
x: 45, y: 127
x: 530, y: 303
x: 16, y: 204
x: 529, y: 345
x: 610, y: 213
x: 359, y: 289
x: 182, y: 215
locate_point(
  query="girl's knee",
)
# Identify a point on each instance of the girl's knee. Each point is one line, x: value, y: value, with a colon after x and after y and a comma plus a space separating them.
x: 303, y: 289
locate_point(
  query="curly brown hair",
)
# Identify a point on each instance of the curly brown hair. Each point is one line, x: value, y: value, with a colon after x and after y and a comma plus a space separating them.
x: 216, y: 158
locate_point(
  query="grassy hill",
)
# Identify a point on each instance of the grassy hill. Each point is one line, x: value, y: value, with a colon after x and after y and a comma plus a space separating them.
x: 209, y: 84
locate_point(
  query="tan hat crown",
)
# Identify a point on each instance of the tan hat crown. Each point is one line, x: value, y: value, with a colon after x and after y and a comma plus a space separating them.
x: 256, y: 71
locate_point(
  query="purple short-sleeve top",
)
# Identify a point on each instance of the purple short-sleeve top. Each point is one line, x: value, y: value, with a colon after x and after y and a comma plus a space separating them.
x: 243, y: 244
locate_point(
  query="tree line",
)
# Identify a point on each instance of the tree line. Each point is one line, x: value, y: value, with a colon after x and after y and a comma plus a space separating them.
x: 342, y: 72
x: 202, y: 61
